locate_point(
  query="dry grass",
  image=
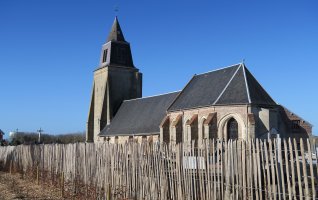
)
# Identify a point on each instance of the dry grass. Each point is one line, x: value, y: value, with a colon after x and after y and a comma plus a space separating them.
x: 13, y: 186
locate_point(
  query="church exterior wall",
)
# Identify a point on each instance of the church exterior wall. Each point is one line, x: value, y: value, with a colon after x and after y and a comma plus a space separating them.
x: 223, y: 114
x: 139, y: 139
x: 100, y: 78
x: 266, y: 120
x: 98, y: 95
x: 253, y: 122
x: 112, y: 85
x: 124, y: 84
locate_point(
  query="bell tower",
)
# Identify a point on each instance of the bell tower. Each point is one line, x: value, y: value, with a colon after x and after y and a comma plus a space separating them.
x: 116, y: 79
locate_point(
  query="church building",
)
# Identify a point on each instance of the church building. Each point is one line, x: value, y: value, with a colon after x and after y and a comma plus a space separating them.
x: 227, y: 103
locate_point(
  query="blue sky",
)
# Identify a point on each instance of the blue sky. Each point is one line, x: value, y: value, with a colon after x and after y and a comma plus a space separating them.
x: 49, y: 49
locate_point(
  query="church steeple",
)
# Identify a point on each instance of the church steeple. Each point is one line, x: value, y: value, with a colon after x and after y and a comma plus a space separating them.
x: 116, y: 34
x: 116, y: 79
x: 116, y: 51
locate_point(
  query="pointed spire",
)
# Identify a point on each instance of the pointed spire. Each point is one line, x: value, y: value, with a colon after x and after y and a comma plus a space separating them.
x: 116, y: 34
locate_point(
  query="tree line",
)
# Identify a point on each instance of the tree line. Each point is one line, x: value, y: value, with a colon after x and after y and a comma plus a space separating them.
x: 33, y: 138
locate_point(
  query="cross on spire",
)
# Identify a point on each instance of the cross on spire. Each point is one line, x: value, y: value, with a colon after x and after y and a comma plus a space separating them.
x: 116, y: 9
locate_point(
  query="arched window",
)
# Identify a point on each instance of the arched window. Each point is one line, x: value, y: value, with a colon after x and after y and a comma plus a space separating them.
x: 187, y: 131
x: 165, y: 128
x: 232, y: 129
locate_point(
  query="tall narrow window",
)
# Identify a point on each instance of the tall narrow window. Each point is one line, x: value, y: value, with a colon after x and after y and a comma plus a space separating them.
x: 232, y: 129
x: 105, y: 55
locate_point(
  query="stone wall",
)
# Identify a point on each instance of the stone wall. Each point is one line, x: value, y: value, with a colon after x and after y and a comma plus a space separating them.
x: 253, y: 122
x: 201, y: 129
x: 139, y: 139
x: 100, y: 79
x: 112, y: 85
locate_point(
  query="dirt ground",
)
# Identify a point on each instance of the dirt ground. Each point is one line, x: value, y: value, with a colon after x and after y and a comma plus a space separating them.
x: 12, y: 186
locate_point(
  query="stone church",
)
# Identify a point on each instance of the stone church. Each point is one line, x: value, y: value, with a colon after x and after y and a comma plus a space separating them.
x: 227, y: 103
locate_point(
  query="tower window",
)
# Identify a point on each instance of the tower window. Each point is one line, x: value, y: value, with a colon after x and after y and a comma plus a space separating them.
x: 105, y: 55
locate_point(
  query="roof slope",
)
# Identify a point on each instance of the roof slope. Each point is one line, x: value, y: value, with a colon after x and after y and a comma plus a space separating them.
x: 140, y: 116
x: 204, y: 89
x: 235, y: 92
x: 116, y: 34
x: 257, y: 92
x: 231, y: 85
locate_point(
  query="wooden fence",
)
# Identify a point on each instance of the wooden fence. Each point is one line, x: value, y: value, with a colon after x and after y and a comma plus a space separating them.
x: 274, y: 169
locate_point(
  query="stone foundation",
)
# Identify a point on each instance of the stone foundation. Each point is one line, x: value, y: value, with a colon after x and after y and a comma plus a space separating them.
x: 124, y: 139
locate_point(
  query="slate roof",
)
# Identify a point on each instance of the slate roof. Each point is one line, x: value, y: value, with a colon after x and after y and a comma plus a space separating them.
x: 116, y: 34
x: 139, y: 116
x: 233, y: 85
x: 1, y: 132
x: 226, y: 86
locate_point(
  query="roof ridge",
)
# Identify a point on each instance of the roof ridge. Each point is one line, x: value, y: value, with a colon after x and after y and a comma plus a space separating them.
x: 218, y: 69
x: 246, y: 84
x: 227, y: 85
x: 152, y: 96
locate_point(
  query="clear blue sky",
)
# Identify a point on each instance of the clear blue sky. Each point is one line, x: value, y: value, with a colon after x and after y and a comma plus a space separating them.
x: 49, y: 49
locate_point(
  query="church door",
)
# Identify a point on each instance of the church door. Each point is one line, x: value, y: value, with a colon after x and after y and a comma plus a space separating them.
x: 232, y: 129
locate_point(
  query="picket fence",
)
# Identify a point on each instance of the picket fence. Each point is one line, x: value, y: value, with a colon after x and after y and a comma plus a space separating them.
x: 258, y: 169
